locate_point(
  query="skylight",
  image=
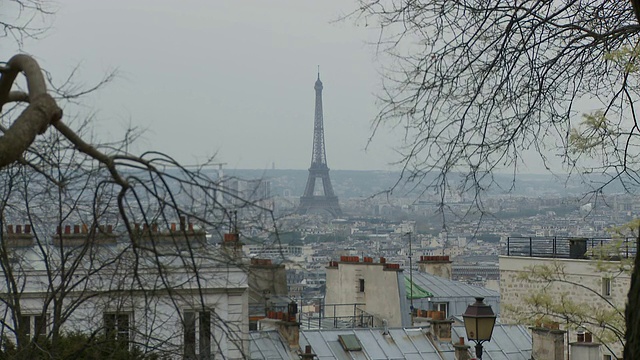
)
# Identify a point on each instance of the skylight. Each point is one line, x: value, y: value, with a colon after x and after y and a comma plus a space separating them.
x: 350, y: 342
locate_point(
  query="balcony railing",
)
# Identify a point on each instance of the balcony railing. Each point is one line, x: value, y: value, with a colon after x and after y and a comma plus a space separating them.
x: 337, y: 316
x: 571, y: 247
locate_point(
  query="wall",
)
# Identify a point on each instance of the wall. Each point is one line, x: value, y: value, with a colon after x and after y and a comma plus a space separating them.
x: 382, y: 294
x: 516, y: 294
x: 266, y: 280
x: 156, y: 302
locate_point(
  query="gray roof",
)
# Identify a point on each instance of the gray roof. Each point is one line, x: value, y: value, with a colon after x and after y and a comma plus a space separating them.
x: 397, y: 344
x: 267, y: 345
x: 441, y: 287
x: 509, y: 342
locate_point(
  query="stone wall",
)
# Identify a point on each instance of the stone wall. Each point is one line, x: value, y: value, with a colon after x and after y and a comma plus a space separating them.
x: 537, y: 298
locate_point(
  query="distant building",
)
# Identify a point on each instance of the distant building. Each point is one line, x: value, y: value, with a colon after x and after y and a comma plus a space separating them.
x: 236, y: 192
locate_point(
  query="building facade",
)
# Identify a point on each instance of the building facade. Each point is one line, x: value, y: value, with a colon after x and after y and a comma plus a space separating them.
x: 155, y: 294
x: 581, y: 290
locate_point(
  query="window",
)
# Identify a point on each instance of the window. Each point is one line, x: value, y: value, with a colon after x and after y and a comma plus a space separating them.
x: 31, y: 325
x: 606, y: 286
x: 444, y: 307
x: 118, y: 326
x: 361, y: 285
x: 350, y: 342
x: 607, y: 357
x: 197, y: 334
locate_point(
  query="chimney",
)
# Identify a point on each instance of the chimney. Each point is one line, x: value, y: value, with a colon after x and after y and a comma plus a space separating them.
x: 441, y: 329
x: 461, y: 350
x: 584, y: 348
x: 435, y: 265
x: 547, y: 343
x: 286, y: 325
x: 232, y: 246
x: 307, y: 354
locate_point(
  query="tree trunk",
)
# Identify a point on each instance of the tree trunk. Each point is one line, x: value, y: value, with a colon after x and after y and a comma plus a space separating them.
x: 632, y: 313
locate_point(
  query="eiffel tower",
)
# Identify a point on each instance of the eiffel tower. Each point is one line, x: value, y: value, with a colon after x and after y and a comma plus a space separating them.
x: 327, y: 201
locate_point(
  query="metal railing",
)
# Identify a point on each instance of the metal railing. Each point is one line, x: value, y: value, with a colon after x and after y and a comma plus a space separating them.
x: 571, y: 247
x: 339, y: 316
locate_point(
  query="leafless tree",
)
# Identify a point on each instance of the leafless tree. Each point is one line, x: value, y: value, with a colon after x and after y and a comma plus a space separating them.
x: 91, y: 232
x: 481, y: 85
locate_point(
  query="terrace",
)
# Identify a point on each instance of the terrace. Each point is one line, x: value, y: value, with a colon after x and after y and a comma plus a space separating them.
x: 570, y: 247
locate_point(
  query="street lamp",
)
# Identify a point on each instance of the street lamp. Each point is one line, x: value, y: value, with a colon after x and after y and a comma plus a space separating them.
x: 479, y: 321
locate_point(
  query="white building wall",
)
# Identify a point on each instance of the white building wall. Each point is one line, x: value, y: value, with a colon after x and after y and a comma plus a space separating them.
x: 156, y: 305
x: 381, y: 296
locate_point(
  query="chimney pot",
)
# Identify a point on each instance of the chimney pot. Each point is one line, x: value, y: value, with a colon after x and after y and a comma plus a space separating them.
x: 27, y: 229
x: 307, y: 349
x: 183, y: 221
x: 67, y: 229
x: 154, y: 227
x: 173, y: 226
x: 76, y: 229
x: 109, y: 229
x: 18, y: 229
x: 580, y: 337
x: 190, y: 226
x: 10, y: 229
x: 587, y: 337
x: 85, y: 229
x: 58, y: 230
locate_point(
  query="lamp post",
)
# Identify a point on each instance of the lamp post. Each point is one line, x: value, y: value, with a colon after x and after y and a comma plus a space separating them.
x: 410, y: 277
x: 479, y: 321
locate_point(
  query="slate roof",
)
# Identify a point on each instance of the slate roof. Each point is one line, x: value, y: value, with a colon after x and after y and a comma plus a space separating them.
x: 267, y: 345
x: 397, y: 344
x: 509, y: 342
x: 441, y: 287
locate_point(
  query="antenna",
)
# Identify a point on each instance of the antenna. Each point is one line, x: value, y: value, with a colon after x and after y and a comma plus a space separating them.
x: 318, y: 72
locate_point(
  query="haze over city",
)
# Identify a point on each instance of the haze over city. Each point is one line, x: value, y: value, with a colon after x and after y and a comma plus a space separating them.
x: 225, y: 77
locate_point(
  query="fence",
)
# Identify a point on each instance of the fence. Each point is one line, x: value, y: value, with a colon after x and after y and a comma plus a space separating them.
x: 571, y: 247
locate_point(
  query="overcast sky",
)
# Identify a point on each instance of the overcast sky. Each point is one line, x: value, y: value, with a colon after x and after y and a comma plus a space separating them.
x: 228, y: 77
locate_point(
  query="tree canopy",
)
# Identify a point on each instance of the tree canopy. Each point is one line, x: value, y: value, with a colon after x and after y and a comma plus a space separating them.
x: 479, y: 86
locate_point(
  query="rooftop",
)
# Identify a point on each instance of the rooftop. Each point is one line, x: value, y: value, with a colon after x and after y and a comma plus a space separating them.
x: 570, y: 247
x: 509, y: 342
x: 441, y: 287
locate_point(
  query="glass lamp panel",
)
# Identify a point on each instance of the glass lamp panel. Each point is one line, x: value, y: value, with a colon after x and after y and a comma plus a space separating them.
x: 485, y: 327
x: 470, y: 324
